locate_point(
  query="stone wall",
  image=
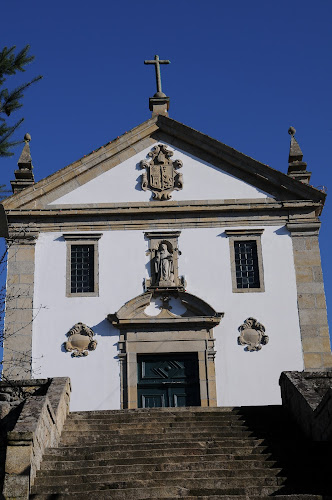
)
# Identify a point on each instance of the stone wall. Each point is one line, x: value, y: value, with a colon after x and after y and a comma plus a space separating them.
x: 33, y: 413
x: 308, y: 398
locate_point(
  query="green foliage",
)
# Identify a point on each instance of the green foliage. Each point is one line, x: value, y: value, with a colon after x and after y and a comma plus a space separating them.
x: 10, y: 100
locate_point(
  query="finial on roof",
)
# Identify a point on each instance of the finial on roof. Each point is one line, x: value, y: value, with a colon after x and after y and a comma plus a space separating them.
x: 296, y: 167
x: 23, y: 176
x: 159, y: 103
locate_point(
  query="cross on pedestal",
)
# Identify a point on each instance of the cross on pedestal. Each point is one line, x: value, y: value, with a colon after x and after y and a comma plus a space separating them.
x: 157, y: 62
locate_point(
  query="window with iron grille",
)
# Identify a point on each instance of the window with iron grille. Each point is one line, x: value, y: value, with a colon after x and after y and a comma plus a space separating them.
x: 246, y: 264
x: 246, y: 259
x: 82, y: 268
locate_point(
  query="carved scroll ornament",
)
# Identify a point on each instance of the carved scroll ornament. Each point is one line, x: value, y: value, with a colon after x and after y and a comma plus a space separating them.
x: 252, y: 335
x: 161, y: 176
x: 80, y: 340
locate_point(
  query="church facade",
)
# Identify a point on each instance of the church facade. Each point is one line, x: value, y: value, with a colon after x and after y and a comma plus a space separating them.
x: 165, y: 269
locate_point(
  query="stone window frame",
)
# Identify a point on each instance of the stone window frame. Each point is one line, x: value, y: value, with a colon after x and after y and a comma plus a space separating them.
x: 82, y: 239
x: 246, y: 235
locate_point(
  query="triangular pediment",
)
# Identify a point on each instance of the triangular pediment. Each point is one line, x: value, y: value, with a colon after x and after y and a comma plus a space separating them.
x: 112, y: 174
x: 123, y: 183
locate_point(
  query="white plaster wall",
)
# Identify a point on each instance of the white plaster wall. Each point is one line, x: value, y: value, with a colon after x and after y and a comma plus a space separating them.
x: 96, y: 377
x: 243, y: 378
x: 202, y: 181
x: 247, y: 378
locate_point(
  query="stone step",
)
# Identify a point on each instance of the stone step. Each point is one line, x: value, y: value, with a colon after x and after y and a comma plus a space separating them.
x: 175, y: 413
x: 164, y: 441
x: 187, y: 447
x: 155, y: 433
x: 100, y: 466
x: 211, y: 442
x: 161, y: 445
x: 192, y: 453
x: 260, y: 497
x: 160, y: 428
x: 162, y: 459
x: 241, y: 497
x: 104, y: 473
x: 86, y: 483
x: 185, y: 410
x: 201, y: 444
x: 156, y: 414
x: 251, y: 413
x: 170, y: 432
x: 185, y: 437
x: 106, y: 495
x: 246, y: 438
x: 167, y: 458
x: 98, y: 425
x: 275, y: 497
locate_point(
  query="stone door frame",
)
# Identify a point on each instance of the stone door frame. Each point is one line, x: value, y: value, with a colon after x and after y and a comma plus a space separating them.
x: 200, y: 342
x: 166, y: 333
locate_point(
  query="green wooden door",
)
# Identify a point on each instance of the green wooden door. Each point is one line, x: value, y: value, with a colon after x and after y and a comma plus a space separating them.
x: 168, y: 380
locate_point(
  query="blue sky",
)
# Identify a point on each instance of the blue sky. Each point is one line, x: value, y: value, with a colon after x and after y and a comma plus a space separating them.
x: 241, y: 72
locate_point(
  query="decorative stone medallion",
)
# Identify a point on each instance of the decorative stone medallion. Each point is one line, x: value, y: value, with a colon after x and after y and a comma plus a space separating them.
x: 252, y: 335
x: 161, y: 176
x: 80, y: 340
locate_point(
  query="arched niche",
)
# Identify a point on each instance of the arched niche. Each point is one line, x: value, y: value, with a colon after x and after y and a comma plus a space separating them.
x: 189, y: 329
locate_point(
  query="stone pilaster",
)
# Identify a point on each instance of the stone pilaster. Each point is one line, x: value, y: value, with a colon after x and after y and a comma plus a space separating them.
x: 19, y: 312
x: 311, y: 296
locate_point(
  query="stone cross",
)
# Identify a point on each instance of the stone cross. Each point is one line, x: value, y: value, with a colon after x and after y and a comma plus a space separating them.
x: 157, y: 62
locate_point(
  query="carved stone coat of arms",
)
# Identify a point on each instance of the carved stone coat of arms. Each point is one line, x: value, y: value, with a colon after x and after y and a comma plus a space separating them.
x: 80, y: 340
x: 161, y: 176
x: 252, y: 335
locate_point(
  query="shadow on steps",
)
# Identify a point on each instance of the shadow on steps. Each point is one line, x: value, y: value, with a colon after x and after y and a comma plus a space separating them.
x: 307, y: 465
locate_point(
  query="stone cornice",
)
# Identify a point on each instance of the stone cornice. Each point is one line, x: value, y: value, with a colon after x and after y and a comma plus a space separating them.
x: 136, y: 208
x: 244, y: 232
x: 207, y: 321
x: 22, y: 237
x: 304, y: 228
x: 83, y: 236
x: 170, y: 215
x: 237, y: 159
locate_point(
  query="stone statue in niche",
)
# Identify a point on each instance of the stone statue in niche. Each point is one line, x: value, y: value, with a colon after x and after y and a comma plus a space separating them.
x: 164, y: 255
x: 161, y: 176
x: 252, y: 335
x: 80, y: 340
x: 164, y: 266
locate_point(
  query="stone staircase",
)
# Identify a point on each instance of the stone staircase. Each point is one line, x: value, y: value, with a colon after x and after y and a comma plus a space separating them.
x: 193, y: 453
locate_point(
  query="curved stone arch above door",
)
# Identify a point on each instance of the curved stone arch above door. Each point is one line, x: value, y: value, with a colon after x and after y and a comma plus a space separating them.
x: 190, y: 331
